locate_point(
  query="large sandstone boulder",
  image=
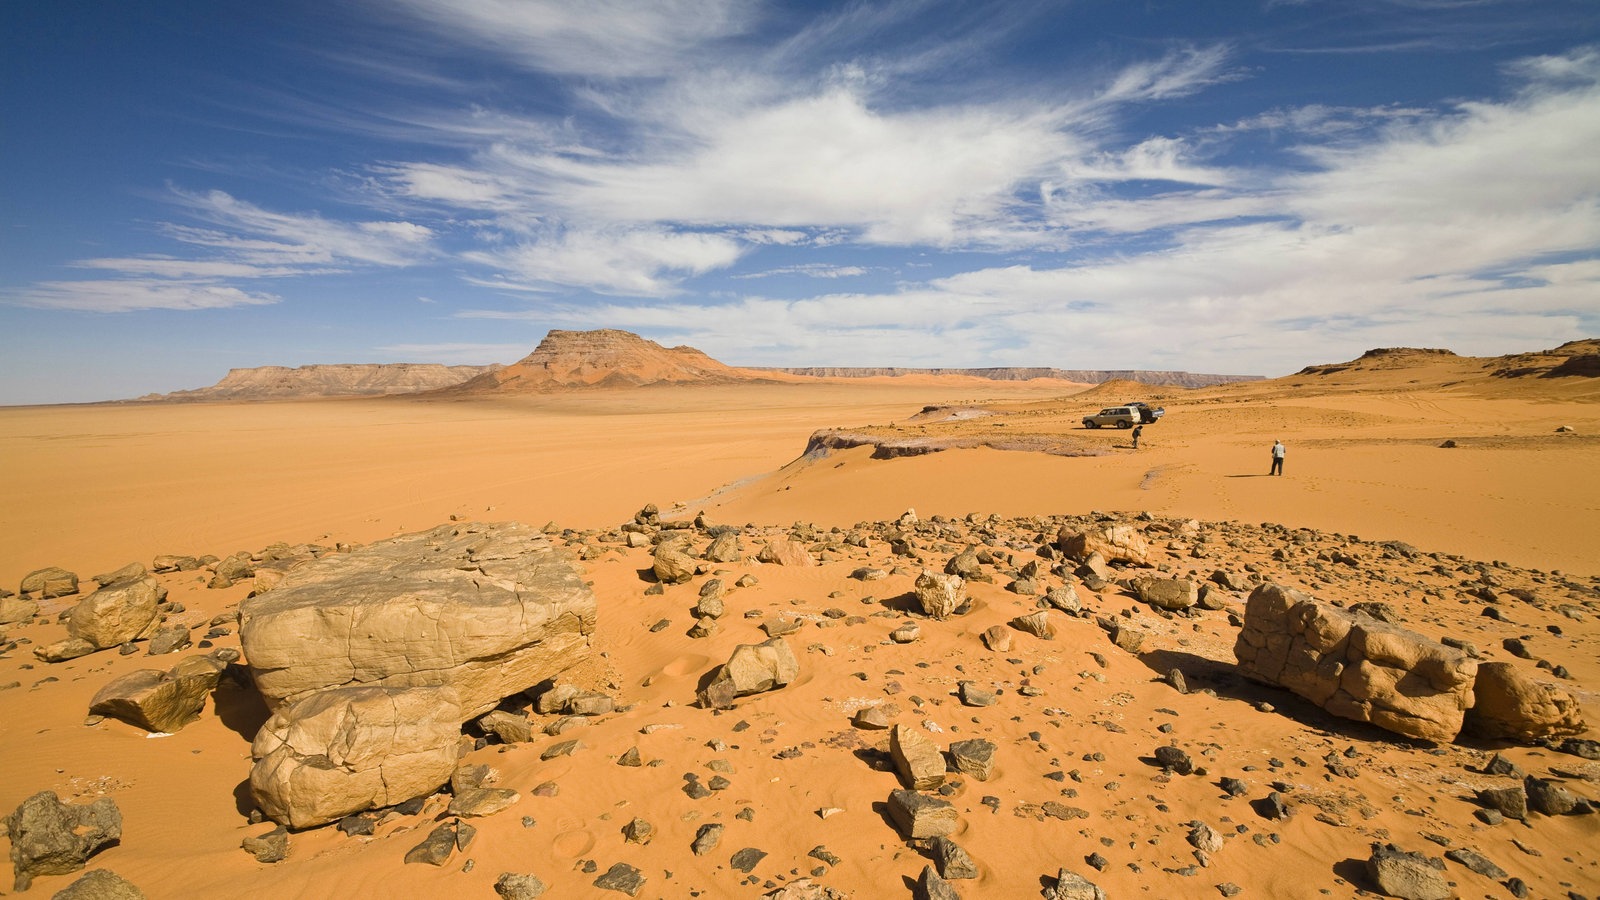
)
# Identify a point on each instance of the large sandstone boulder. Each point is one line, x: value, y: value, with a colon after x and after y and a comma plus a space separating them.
x: 1512, y: 706
x: 117, y: 613
x: 49, y: 583
x: 344, y: 750
x: 1355, y: 667
x: 1112, y: 542
x: 488, y: 610
x: 672, y: 564
x: 157, y: 701
x: 49, y: 837
x: 751, y: 669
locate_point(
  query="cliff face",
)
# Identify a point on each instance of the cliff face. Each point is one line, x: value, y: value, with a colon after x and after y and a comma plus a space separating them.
x: 602, y: 358
x: 354, y: 380
x: 1025, y: 373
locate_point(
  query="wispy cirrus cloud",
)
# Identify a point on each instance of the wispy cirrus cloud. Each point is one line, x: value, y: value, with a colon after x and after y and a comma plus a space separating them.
x: 132, y: 294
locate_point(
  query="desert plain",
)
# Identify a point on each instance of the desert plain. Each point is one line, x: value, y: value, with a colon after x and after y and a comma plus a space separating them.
x: 1371, y: 509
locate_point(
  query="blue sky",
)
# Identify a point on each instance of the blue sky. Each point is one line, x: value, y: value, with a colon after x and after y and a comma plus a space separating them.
x: 1235, y: 186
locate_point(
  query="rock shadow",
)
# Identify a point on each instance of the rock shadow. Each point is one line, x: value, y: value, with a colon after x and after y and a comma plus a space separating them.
x: 241, y: 708
x: 243, y: 800
x: 1354, y: 872
x: 1225, y: 679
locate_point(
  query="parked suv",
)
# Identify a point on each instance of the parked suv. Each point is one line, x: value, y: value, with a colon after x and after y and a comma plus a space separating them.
x: 1120, y: 416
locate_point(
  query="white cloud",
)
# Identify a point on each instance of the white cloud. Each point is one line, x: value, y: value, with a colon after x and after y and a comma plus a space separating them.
x: 605, y: 38
x: 638, y: 262
x: 247, y: 233
x: 128, y: 295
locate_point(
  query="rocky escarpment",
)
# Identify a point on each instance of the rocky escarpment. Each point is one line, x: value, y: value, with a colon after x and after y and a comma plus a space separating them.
x: 352, y: 380
x: 1026, y: 373
x: 602, y: 358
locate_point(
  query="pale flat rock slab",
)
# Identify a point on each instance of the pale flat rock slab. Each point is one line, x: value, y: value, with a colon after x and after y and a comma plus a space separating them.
x: 158, y: 701
x: 1354, y: 666
x: 785, y: 551
x: 488, y: 610
x: 916, y: 758
x: 345, y: 750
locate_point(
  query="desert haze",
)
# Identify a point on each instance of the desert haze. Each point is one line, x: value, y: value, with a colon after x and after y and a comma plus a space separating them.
x: 971, y: 647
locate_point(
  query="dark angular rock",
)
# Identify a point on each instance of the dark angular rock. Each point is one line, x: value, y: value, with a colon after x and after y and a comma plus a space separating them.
x: 1511, y: 802
x: 270, y: 847
x: 49, y: 837
x: 1409, y: 876
x: 707, y: 839
x: 515, y: 886
x: 622, y: 878
x: 932, y: 887
x: 1549, y: 798
x: 436, y: 848
x: 1477, y: 862
x: 747, y: 859
x: 954, y: 862
x: 1174, y: 759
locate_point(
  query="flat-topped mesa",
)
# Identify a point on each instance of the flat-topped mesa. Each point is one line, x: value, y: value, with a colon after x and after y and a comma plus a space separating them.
x: 603, y: 358
x: 338, y: 380
x: 1144, y: 377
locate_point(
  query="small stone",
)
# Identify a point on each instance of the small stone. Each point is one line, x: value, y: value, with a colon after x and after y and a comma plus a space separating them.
x: 1477, y: 862
x: 919, y: 816
x: 270, y: 847
x: 930, y: 886
x: 515, y: 886
x: 638, y: 831
x: 1409, y: 876
x: 1174, y: 760
x: 954, y: 862
x: 622, y: 878
x: 706, y: 839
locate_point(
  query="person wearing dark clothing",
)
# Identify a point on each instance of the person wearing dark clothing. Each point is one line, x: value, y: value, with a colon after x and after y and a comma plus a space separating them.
x: 1137, y: 430
x: 1277, y: 458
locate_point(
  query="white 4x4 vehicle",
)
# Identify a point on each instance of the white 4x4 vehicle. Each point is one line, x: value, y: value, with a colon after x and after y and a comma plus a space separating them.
x: 1120, y: 416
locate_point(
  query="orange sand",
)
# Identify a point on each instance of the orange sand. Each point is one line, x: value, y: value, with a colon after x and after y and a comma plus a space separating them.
x: 91, y: 488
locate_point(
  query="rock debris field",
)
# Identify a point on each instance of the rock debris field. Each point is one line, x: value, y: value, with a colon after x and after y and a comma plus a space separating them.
x: 1080, y: 707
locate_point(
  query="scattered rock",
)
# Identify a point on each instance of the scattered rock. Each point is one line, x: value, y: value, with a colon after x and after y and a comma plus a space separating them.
x: 919, y: 816
x: 1038, y: 624
x: 269, y: 847
x: 17, y: 609
x: 437, y: 848
x: 1167, y: 593
x: 954, y: 862
x: 706, y: 839
x: 939, y: 595
x: 49, y: 583
x: 747, y: 859
x: 49, y: 837
x: 118, y: 613
x: 918, y: 761
x: 751, y: 669
x: 1477, y: 862
x: 1174, y: 759
x: 1409, y: 876
x: 478, y: 802
x: 621, y: 878
x: 509, y: 727
x: 1114, y: 543
x: 974, y: 757
x: 997, y: 638
x: 1072, y: 886
x: 1510, y: 802
x: 1549, y: 798
x: 159, y: 702
x: 930, y: 886
x: 786, y: 552
x: 672, y: 565
x: 516, y: 886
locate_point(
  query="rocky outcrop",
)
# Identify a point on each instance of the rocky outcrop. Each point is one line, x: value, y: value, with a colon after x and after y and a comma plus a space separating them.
x: 49, y: 837
x: 352, y: 380
x: 349, y: 749
x: 1355, y: 667
x: 488, y: 610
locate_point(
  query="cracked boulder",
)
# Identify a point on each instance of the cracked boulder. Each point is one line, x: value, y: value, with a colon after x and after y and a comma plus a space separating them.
x: 345, y: 750
x: 1354, y: 666
x: 485, y: 609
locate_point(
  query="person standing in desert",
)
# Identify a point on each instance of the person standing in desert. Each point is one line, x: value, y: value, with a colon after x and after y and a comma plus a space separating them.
x: 1137, y: 430
x: 1278, y: 452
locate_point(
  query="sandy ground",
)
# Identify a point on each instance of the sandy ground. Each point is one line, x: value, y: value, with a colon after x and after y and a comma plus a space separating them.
x: 92, y: 488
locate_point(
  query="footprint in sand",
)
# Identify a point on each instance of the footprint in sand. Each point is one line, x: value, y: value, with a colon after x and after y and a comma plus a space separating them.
x: 684, y: 665
x: 573, y: 844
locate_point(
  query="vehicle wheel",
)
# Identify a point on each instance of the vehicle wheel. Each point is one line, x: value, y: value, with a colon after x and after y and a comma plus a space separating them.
x: 1091, y: 424
x: 1124, y: 424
